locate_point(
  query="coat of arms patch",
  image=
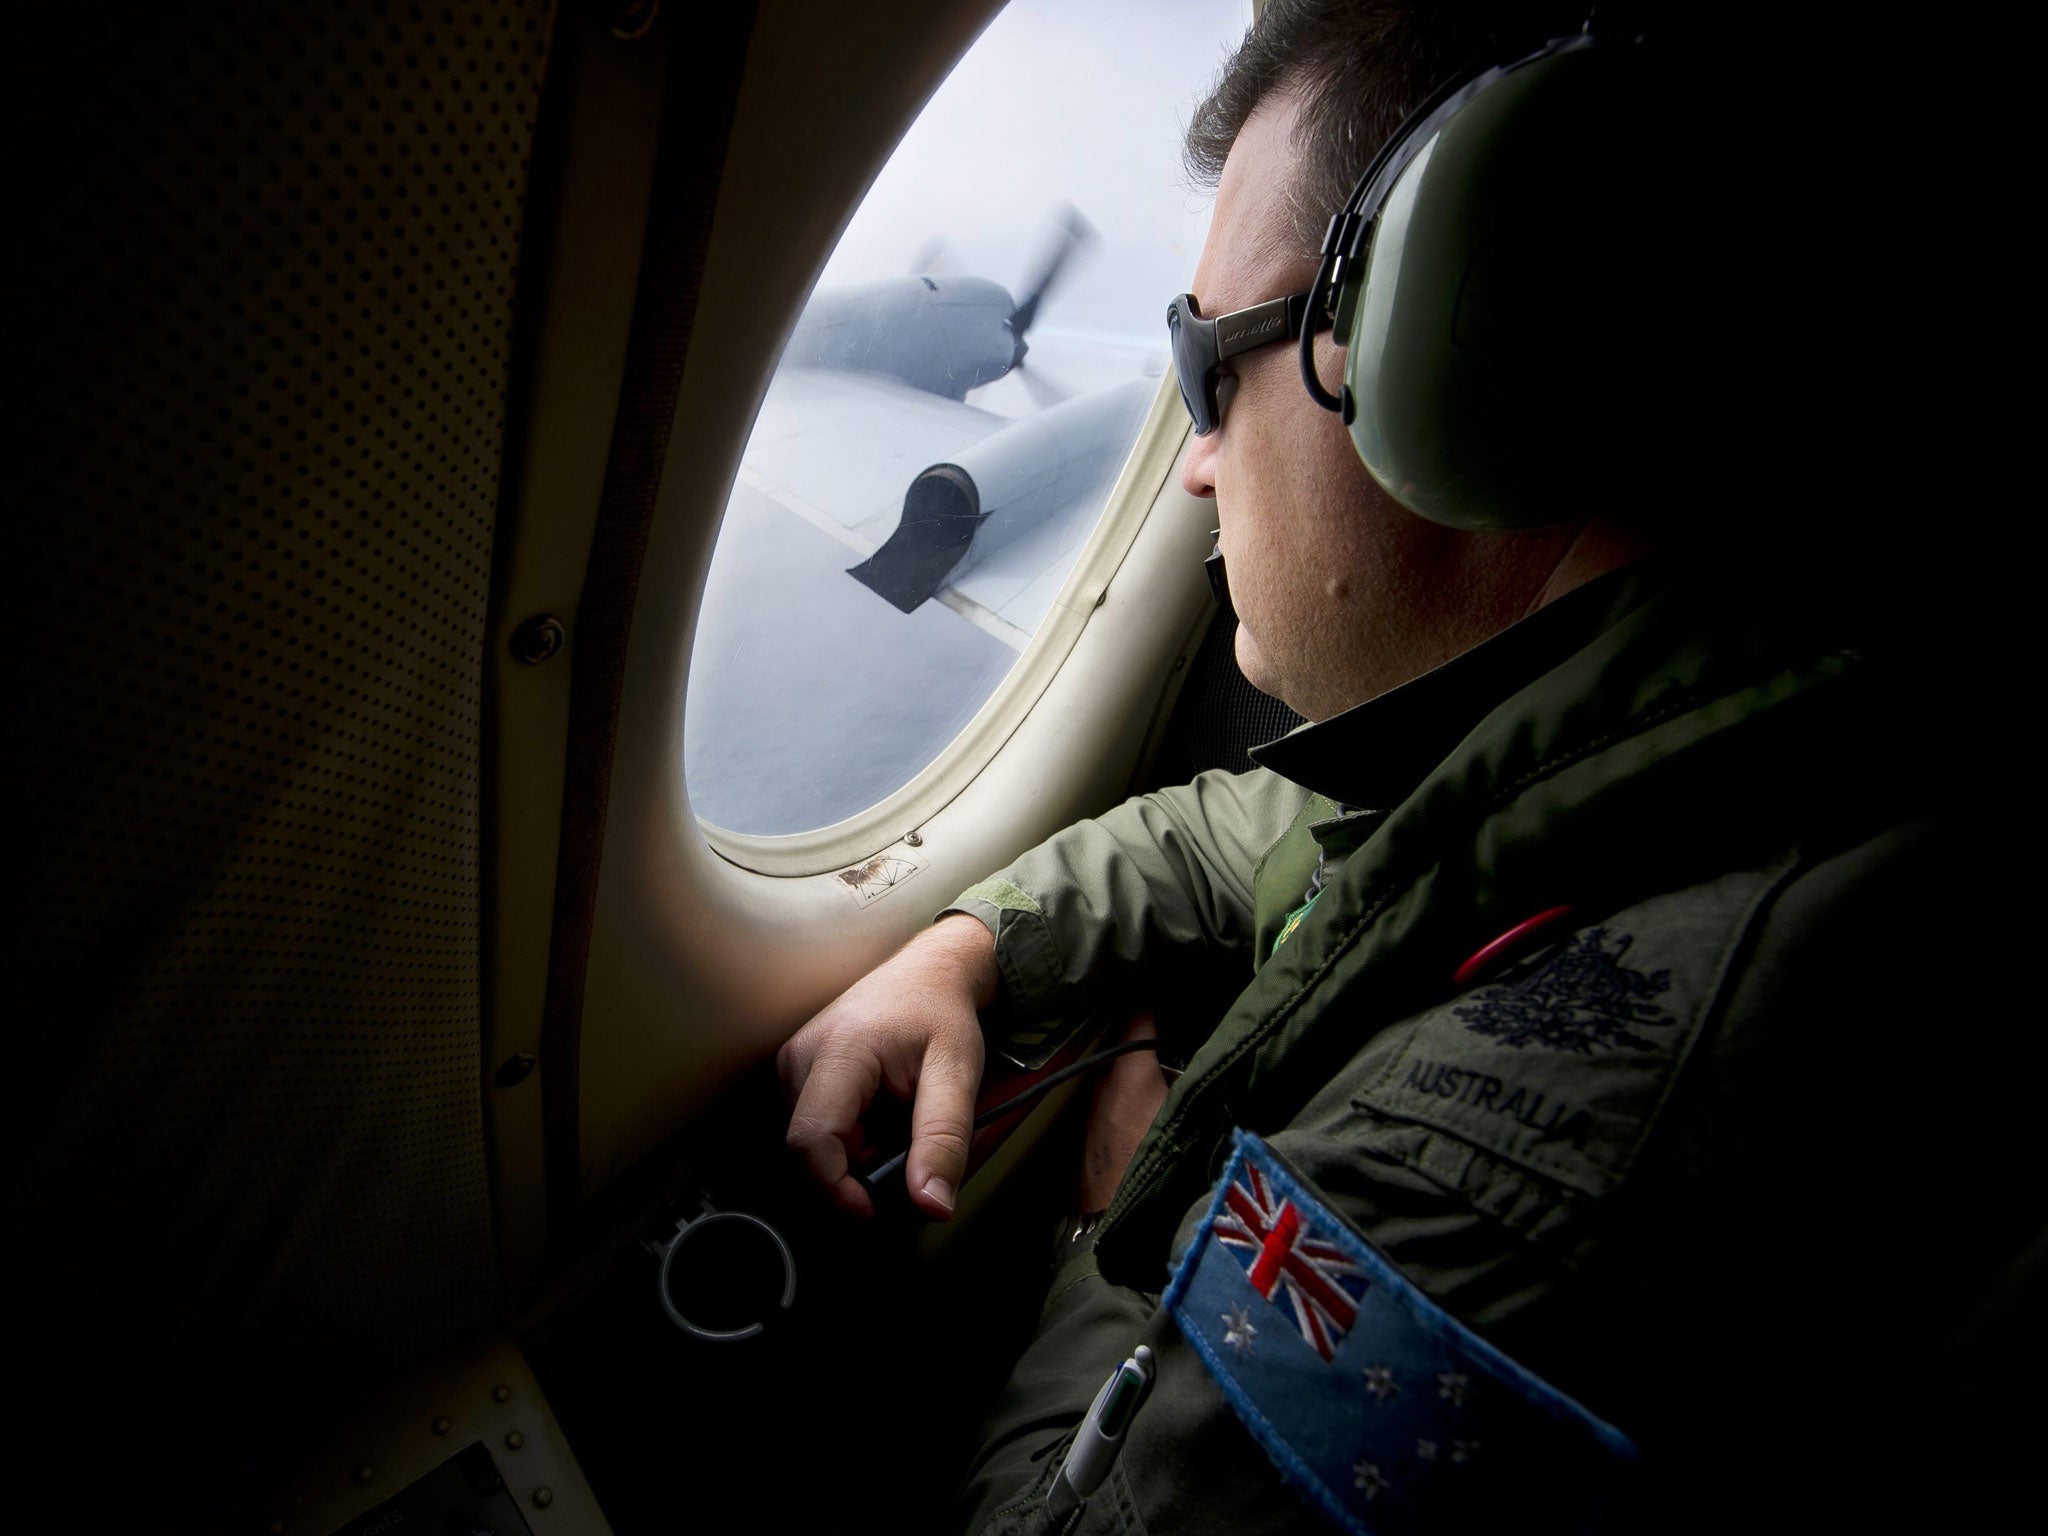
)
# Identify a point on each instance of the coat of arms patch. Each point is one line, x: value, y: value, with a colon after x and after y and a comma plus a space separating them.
x: 1582, y: 998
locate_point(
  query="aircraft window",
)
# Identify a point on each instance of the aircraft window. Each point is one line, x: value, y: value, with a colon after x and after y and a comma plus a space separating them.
x: 949, y: 415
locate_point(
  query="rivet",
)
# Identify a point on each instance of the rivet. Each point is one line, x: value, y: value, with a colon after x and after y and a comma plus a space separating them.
x: 914, y: 839
x: 514, y: 1439
x: 362, y: 1475
x: 501, y: 1393
x: 543, y: 1497
x: 539, y: 639
x: 513, y: 1071
x: 442, y: 1425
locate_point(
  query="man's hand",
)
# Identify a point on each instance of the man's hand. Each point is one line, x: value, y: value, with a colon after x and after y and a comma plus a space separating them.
x: 1127, y: 1101
x: 909, y: 1024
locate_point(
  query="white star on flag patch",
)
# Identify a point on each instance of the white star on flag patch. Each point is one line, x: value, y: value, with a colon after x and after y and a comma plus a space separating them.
x: 1378, y: 1406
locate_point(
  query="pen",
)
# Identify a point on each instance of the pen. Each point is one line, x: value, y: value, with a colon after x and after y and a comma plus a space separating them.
x: 873, y: 1178
x: 1100, y: 1436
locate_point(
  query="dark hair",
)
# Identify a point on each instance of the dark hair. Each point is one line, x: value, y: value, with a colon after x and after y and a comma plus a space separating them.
x: 1359, y: 67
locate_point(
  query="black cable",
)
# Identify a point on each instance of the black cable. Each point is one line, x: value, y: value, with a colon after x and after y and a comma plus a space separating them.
x: 989, y: 1117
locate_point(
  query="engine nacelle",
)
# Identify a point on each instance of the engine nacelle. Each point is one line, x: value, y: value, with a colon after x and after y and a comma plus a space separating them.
x: 959, y: 514
x: 943, y: 335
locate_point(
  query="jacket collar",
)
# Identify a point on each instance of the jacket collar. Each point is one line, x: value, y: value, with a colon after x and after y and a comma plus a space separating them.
x: 1373, y: 756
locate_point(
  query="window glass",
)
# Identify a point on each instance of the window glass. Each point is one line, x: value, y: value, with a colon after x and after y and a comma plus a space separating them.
x: 954, y: 404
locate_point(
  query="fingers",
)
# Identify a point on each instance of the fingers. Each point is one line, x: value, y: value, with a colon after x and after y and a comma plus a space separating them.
x: 825, y: 1125
x: 908, y: 1026
x: 852, y: 1195
x: 941, y: 1123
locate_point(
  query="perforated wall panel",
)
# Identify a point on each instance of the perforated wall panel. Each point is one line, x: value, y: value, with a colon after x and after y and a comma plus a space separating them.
x: 273, y: 251
x: 1219, y: 716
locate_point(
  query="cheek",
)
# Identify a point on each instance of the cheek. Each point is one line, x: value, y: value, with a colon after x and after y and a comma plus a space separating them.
x: 1291, y: 498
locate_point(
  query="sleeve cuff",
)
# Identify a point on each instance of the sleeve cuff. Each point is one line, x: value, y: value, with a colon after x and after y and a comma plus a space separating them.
x: 1027, y: 956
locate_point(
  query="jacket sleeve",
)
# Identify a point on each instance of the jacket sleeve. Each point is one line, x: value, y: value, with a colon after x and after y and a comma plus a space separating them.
x: 1162, y: 877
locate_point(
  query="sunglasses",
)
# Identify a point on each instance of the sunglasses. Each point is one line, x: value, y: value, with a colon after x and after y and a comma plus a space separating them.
x: 1200, y: 345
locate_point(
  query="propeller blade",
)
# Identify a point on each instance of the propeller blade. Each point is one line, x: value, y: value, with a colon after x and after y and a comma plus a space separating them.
x: 1074, y: 232
x: 1043, y: 392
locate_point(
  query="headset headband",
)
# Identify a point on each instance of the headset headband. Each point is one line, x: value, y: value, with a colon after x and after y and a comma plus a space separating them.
x: 1350, y: 229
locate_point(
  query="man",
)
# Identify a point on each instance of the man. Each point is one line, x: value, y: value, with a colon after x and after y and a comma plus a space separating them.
x: 1341, y: 595
x: 1556, y: 907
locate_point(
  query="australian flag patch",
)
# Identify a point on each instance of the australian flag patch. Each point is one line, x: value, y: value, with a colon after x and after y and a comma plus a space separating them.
x: 1376, y: 1404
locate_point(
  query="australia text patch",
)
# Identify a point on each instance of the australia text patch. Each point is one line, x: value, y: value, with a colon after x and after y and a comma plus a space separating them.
x: 1563, y: 1064
x: 1377, y: 1405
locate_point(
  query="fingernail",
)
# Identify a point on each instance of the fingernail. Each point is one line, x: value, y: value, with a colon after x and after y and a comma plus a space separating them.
x: 936, y: 1188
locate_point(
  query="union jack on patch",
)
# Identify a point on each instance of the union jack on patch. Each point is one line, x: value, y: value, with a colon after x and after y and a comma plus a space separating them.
x: 1391, y: 1417
x: 1303, y: 1274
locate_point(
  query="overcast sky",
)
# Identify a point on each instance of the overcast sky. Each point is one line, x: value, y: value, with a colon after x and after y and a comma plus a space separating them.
x: 1060, y: 101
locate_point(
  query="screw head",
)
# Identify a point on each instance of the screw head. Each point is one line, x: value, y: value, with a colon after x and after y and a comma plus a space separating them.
x: 514, y: 1439
x: 543, y: 1497
x: 501, y: 1393
x: 539, y: 639
x: 914, y: 839
x: 513, y: 1071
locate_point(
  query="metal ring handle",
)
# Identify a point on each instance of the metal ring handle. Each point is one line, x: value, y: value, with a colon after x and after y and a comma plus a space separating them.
x: 727, y: 1335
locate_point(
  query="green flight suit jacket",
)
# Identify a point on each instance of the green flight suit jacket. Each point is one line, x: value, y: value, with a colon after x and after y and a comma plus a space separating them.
x: 1684, y: 1155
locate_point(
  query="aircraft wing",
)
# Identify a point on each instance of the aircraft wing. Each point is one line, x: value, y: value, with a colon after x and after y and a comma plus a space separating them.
x: 837, y: 449
x: 795, y: 626
x: 1038, y: 487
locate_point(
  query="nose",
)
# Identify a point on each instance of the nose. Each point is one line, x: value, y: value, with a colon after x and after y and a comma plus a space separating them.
x: 1198, y: 466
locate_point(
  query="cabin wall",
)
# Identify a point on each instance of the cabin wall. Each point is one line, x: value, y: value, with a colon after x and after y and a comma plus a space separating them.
x: 331, y: 307
x: 272, y: 253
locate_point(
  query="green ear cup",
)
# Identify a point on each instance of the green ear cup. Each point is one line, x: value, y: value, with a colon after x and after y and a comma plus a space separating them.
x: 1503, y: 334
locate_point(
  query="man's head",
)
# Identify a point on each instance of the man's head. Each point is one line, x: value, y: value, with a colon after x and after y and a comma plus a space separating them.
x: 1341, y: 593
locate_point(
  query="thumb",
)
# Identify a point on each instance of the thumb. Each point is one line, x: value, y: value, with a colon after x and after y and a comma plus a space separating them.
x: 941, y: 1122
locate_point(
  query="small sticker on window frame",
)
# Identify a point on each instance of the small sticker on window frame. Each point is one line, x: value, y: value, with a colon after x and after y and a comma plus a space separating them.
x: 868, y: 882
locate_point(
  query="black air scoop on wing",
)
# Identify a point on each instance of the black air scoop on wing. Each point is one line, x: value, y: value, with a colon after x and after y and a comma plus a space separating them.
x: 1018, y: 481
x: 941, y: 510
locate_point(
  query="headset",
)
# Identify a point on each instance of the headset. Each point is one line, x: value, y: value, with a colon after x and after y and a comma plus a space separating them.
x: 1501, y: 282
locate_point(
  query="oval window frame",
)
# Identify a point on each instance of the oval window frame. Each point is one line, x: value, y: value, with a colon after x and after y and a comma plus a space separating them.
x: 898, y: 815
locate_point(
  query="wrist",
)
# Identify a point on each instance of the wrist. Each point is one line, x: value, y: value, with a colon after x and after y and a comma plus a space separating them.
x: 961, y: 943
